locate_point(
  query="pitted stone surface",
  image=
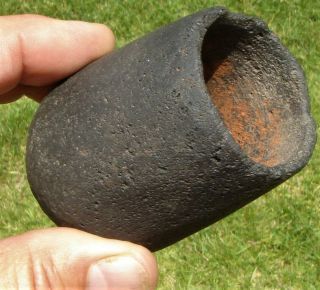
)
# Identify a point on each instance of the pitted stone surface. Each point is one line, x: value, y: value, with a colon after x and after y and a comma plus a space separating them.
x: 173, y: 132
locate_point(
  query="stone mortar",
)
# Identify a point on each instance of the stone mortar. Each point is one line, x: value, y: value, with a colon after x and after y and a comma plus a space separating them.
x: 172, y: 132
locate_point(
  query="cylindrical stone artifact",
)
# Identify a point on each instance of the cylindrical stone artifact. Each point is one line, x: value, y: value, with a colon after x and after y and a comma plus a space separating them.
x: 172, y: 132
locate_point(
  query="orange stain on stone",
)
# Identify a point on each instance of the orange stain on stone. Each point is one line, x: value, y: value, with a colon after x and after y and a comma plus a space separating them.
x: 253, y: 121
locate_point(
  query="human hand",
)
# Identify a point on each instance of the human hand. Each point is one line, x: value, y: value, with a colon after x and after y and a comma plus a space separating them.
x: 37, y: 52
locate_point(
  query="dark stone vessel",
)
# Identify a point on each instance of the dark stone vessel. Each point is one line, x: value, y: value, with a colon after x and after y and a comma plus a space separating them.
x: 172, y: 132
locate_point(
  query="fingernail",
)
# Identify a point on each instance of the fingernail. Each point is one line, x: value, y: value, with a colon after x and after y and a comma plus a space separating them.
x: 117, y: 273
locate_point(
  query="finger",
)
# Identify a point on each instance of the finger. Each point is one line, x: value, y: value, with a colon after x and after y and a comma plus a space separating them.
x: 62, y: 258
x: 35, y: 93
x: 38, y: 51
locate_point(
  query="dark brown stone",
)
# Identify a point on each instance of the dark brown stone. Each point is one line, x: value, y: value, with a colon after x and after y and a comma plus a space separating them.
x: 172, y: 132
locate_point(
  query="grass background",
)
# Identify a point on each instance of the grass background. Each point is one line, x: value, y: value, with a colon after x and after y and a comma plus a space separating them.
x: 273, y: 243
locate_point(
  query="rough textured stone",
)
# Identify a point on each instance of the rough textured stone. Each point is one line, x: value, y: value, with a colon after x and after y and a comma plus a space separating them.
x: 172, y: 132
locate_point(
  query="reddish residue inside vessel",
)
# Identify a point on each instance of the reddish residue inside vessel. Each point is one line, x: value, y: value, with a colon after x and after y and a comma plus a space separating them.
x: 252, y: 120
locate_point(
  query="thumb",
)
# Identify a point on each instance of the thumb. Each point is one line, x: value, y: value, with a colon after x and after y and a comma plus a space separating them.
x: 62, y: 258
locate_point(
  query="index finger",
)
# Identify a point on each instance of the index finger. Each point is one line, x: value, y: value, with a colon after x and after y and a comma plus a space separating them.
x: 37, y: 51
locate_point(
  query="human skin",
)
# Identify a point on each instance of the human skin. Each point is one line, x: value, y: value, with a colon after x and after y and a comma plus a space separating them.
x: 36, y: 52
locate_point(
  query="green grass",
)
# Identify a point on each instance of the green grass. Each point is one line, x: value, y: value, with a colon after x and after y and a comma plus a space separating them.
x: 273, y: 243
